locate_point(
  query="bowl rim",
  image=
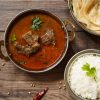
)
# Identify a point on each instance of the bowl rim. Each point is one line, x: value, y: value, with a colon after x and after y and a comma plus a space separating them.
x: 58, y: 60
x: 66, y: 72
x: 79, y: 23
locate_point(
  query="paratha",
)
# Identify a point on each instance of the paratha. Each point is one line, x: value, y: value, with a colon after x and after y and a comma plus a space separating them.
x: 88, y: 12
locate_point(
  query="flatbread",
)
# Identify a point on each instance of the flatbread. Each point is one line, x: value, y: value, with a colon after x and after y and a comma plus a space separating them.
x: 88, y: 12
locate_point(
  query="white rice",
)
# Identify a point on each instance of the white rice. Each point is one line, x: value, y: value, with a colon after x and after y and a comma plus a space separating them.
x: 81, y: 84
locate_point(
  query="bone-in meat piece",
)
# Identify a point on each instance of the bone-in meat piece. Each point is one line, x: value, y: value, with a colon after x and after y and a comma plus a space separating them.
x: 30, y: 38
x: 48, y: 37
x: 27, y: 50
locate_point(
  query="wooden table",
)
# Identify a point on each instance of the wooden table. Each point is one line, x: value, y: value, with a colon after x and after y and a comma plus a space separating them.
x: 15, y: 84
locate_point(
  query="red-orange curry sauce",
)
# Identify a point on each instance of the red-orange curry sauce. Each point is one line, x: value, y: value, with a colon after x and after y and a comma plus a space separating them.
x: 47, y: 54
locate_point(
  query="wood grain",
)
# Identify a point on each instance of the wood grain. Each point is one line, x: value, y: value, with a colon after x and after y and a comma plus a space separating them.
x: 8, y: 10
x: 18, y: 82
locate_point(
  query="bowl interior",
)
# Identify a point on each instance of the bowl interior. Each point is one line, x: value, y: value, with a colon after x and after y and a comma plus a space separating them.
x: 23, y: 14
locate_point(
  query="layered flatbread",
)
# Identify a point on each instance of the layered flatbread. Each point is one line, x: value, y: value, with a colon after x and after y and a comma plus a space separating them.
x: 88, y: 12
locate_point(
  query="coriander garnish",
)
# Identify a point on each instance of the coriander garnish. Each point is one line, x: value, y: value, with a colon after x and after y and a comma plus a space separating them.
x: 12, y: 38
x: 90, y: 72
x: 36, y: 23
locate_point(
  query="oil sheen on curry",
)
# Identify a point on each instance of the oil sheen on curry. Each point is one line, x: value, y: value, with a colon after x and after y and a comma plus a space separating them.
x: 36, y: 41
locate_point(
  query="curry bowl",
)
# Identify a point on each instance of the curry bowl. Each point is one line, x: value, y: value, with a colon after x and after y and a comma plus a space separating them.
x: 81, y: 75
x: 36, y: 40
x: 84, y: 23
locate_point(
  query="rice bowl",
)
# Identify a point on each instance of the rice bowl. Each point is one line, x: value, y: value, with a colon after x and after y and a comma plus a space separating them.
x: 80, y: 85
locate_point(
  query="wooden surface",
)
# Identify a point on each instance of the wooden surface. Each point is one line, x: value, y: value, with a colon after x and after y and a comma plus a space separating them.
x: 18, y: 82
